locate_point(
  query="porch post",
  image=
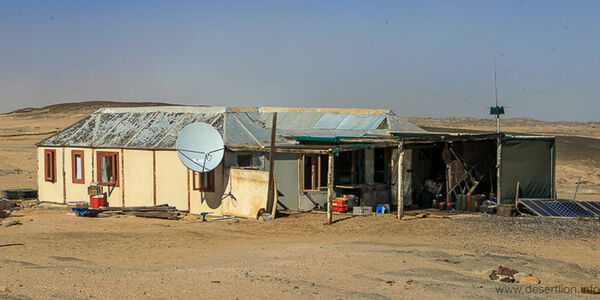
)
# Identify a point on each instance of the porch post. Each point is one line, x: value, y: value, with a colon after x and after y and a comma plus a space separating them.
x: 329, y: 187
x: 400, y: 183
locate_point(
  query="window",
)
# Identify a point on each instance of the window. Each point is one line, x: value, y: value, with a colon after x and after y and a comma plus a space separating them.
x: 77, y: 166
x: 108, y: 168
x: 204, y: 182
x: 324, y: 169
x: 382, y: 165
x: 50, y: 165
x: 244, y: 160
x: 311, y: 172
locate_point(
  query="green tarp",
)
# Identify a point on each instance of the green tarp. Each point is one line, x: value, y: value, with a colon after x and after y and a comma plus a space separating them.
x: 531, y: 163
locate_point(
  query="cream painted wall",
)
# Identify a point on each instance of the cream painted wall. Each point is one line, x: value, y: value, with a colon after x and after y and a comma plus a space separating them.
x: 171, y: 180
x: 250, y: 189
x: 114, y: 194
x: 138, y: 177
x: 135, y: 181
x: 78, y: 191
x: 50, y: 191
x: 208, y: 202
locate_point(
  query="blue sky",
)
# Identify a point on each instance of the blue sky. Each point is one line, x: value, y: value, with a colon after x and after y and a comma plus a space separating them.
x: 420, y: 58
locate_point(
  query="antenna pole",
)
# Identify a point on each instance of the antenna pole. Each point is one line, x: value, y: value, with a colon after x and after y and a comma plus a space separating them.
x: 496, y: 93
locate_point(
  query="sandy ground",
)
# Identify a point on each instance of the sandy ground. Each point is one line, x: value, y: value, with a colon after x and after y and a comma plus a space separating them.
x: 56, y: 255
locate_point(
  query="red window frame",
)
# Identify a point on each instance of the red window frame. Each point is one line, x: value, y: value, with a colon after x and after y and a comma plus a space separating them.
x: 74, y: 154
x: 50, y: 165
x: 198, y: 182
x: 115, y: 170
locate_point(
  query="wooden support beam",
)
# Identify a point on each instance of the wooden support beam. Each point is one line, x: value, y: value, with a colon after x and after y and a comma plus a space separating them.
x: 329, y: 187
x: 353, y: 170
x: 271, y: 195
x: 314, y: 163
x: 122, y: 176
x: 448, y: 183
x: 154, y: 177
x: 400, y: 183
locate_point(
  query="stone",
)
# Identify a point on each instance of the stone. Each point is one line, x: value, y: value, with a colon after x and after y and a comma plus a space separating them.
x: 7, y: 223
x: 530, y: 280
x: 520, y: 275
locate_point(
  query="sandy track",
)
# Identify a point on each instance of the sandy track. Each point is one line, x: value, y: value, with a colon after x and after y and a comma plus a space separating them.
x: 68, y: 257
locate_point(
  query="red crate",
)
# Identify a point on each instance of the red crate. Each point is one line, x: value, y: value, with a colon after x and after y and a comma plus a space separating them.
x: 339, y: 206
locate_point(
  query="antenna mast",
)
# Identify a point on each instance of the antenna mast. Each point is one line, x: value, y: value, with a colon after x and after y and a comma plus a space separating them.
x: 496, y: 93
x: 496, y: 110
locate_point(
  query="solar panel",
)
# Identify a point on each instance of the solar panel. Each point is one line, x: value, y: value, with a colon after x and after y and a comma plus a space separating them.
x: 591, y: 206
x: 538, y: 208
x: 569, y: 209
x: 562, y: 208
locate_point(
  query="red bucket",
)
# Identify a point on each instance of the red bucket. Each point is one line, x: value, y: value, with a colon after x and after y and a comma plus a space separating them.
x: 97, y: 201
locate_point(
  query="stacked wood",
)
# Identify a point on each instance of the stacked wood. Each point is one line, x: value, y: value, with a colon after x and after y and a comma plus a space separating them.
x: 163, y: 211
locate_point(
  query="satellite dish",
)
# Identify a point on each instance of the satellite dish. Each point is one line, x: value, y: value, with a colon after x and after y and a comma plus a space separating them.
x: 200, y: 147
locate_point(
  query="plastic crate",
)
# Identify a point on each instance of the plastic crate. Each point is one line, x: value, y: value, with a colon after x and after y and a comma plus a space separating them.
x: 339, y: 205
x: 362, y: 210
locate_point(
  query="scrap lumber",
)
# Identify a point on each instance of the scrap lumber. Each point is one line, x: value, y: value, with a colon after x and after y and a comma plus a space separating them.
x: 169, y: 215
x: 163, y: 211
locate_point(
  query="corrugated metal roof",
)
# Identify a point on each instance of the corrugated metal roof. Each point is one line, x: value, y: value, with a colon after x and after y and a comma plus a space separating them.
x: 300, y: 122
x: 155, y: 128
x: 158, y: 127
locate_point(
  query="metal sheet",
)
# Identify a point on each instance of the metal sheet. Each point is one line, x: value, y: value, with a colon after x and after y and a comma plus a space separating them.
x: 361, y: 122
x: 330, y: 121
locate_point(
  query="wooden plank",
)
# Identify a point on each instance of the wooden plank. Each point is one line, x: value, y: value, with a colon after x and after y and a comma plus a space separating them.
x: 279, y: 150
x: 329, y: 187
x: 161, y: 207
x: 155, y: 214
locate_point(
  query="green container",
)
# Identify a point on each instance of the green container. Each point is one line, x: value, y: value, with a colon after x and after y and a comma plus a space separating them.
x: 476, y: 201
x: 475, y: 205
x: 461, y: 202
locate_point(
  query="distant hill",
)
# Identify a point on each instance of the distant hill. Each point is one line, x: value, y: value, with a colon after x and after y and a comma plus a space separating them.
x: 84, y: 107
x: 526, y: 126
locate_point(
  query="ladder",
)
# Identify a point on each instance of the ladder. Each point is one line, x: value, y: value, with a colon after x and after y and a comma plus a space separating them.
x: 467, y: 183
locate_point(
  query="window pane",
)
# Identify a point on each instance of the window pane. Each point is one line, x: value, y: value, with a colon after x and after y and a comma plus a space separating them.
x: 48, y: 165
x: 107, y: 169
x: 204, y: 181
x: 244, y: 160
x: 78, y: 167
x: 324, y: 169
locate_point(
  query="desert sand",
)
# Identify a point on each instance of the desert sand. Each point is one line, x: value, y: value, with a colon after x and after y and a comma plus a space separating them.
x: 57, y: 255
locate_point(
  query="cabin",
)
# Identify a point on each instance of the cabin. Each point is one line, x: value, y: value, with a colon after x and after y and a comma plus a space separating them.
x: 369, y: 156
x: 131, y: 154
